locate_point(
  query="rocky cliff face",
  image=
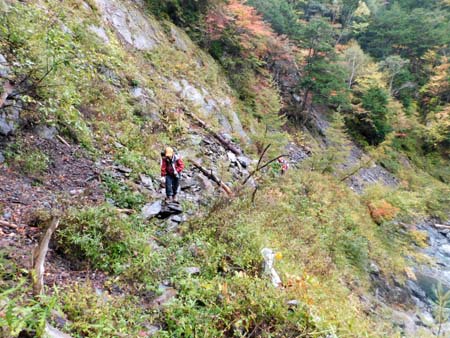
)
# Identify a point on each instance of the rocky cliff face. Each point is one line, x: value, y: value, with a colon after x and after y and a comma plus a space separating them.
x: 136, y: 30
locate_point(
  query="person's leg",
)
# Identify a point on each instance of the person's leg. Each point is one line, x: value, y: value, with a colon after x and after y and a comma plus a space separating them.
x: 169, y: 187
x: 175, y: 186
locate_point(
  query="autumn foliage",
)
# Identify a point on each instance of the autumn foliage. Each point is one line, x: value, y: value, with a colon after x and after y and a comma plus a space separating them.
x: 382, y: 211
x: 255, y: 37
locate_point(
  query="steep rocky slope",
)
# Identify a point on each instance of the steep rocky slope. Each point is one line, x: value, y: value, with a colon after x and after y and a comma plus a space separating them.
x: 90, y: 104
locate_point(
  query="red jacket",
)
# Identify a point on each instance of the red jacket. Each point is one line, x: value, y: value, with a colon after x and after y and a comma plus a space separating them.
x: 169, y: 166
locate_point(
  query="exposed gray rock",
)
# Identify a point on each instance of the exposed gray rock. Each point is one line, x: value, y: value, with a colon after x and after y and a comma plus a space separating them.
x: 169, y: 209
x: 237, y: 126
x: 406, y: 322
x: 445, y: 249
x: 221, y: 109
x: 137, y: 92
x: 195, y: 140
x: 123, y: 169
x: 46, y: 132
x: 373, y: 268
x: 244, y: 161
x: 151, y: 209
x: 131, y: 23
x: 231, y: 157
x: 187, y: 184
x: 152, y: 330
x: 179, y: 39
x: 59, y: 319
x: 177, y: 219
x: 192, y: 270
x: 154, y: 245
x: 4, y: 69
x: 204, y: 183
x: 146, y: 181
x: 100, y: 32
x: 110, y: 75
x: 2, y: 158
x: 416, y: 290
x: 425, y: 319
x: 9, y: 120
x: 52, y: 332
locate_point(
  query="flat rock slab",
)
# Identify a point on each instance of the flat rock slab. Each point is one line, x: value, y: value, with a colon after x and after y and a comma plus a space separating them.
x: 151, y: 209
x: 51, y: 332
x: 169, y: 209
x: 146, y: 181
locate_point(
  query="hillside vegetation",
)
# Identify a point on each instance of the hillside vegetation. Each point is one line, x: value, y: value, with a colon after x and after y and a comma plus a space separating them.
x: 353, y: 94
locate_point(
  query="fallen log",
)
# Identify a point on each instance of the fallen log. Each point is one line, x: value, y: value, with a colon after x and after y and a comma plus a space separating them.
x: 8, y: 224
x: 225, y: 143
x: 442, y: 226
x: 39, y: 254
x: 214, y: 178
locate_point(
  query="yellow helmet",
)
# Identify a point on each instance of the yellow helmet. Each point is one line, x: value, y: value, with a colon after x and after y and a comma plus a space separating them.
x: 168, y: 152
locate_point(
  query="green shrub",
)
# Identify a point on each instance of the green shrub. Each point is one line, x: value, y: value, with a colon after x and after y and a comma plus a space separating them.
x: 100, y: 237
x: 372, y: 123
x: 238, y: 306
x: 18, y: 311
x: 29, y: 161
x: 122, y: 195
x: 101, y: 315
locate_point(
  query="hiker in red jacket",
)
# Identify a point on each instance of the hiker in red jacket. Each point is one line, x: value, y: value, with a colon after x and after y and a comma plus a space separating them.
x: 171, y: 167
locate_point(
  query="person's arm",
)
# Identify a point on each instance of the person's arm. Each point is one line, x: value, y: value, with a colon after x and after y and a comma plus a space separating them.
x: 163, y: 168
x: 179, y: 165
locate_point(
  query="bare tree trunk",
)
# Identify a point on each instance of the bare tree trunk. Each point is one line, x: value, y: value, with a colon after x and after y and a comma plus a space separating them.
x: 350, y: 81
x: 39, y: 254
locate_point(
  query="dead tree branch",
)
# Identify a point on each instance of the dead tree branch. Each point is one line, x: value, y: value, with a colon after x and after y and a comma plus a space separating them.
x: 39, y: 254
x: 8, y: 224
x: 211, y: 176
x: 225, y: 143
x: 262, y: 167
